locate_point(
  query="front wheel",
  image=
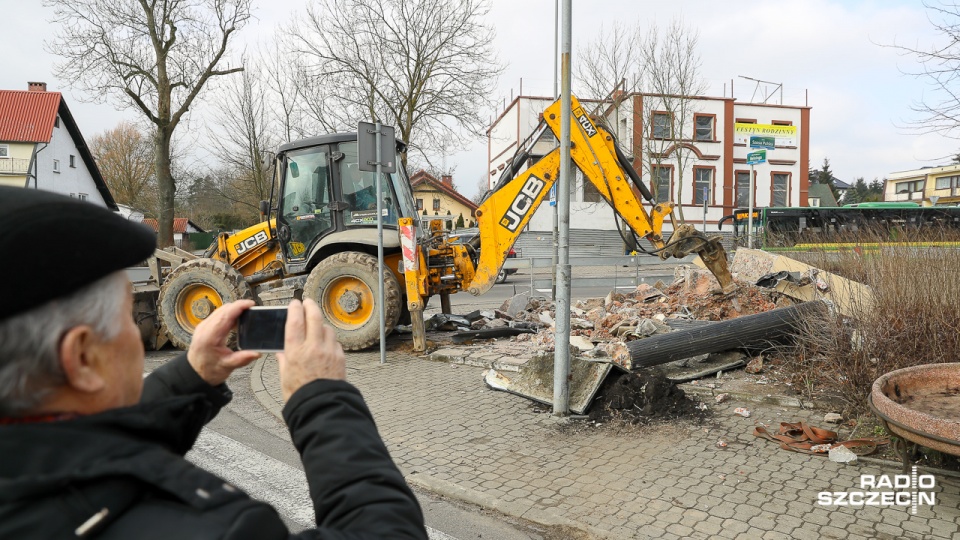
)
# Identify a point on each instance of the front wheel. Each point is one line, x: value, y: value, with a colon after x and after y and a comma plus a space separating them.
x: 192, y: 292
x: 345, y: 286
x: 502, y: 276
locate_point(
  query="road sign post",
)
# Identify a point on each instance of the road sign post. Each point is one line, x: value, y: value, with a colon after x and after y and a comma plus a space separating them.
x: 377, y: 152
x: 753, y: 158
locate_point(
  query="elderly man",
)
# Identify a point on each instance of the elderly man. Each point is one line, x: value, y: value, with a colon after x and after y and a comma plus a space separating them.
x: 90, y: 449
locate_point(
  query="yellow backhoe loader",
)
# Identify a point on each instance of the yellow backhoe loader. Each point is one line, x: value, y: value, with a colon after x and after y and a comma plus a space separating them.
x: 318, y: 239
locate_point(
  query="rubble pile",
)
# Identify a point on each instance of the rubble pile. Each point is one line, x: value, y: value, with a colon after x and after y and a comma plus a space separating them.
x: 600, y: 327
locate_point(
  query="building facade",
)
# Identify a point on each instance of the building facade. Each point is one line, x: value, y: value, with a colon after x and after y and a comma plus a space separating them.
x: 438, y: 198
x: 929, y: 186
x: 41, y: 147
x: 694, y: 156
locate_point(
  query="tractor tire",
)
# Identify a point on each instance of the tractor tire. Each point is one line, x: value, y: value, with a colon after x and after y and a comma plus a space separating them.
x: 345, y: 286
x: 192, y: 291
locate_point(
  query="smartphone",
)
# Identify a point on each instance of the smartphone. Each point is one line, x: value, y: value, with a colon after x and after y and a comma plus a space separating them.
x: 260, y: 328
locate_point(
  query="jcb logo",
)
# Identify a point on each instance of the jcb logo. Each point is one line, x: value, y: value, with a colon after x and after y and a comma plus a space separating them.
x: 250, y: 243
x: 522, y: 203
x: 585, y: 122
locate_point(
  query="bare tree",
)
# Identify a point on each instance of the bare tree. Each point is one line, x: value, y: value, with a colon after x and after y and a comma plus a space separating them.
x: 124, y: 156
x: 243, y: 140
x: 610, y: 67
x: 939, y: 65
x: 149, y: 55
x: 427, y: 67
x: 672, y: 74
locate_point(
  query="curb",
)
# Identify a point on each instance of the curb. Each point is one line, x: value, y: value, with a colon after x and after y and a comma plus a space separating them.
x: 444, y: 488
x: 769, y: 399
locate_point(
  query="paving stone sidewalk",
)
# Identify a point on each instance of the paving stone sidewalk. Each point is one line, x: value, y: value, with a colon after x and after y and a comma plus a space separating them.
x: 451, y: 434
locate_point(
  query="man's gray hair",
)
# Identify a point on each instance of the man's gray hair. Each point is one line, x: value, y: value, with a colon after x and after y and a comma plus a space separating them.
x: 29, y: 343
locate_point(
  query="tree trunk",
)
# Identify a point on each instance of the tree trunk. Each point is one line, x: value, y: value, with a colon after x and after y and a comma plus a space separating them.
x: 166, y: 187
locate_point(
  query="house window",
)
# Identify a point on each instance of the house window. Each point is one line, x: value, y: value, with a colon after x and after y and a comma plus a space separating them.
x: 949, y: 182
x: 813, y: 201
x: 4, y: 150
x: 661, y: 126
x: 590, y: 192
x: 436, y: 204
x: 661, y: 183
x: 419, y: 204
x: 82, y: 196
x: 780, y: 189
x: 56, y: 165
x: 743, y: 189
x: 781, y: 123
x: 73, y: 161
x: 704, y: 127
x: 910, y: 187
x: 702, y: 184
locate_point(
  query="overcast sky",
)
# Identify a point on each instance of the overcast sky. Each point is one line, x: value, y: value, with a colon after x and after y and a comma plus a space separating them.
x: 826, y: 51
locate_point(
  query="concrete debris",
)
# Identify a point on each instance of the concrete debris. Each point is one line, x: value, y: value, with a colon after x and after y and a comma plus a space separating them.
x: 832, y: 418
x: 842, y: 454
x: 742, y: 411
x: 755, y: 365
x: 581, y: 343
x: 721, y: 443
x: 497, y: 323
x: 580, y: 324
x: 722, y: 397
x: 514, y: 305
x: 821, y: 448
x: 545, y: 318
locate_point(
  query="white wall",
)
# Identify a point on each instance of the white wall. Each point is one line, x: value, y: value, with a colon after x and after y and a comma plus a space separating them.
x: 69, y: 180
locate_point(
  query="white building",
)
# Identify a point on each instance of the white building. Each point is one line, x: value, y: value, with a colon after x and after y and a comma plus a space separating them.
x: 41, y: 147
x: 712, y: 142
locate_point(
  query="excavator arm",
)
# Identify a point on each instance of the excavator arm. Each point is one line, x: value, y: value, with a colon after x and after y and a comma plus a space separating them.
x: 509, y: 207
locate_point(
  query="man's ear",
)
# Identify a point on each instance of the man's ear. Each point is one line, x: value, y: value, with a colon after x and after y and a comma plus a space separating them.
x: 80, y: 361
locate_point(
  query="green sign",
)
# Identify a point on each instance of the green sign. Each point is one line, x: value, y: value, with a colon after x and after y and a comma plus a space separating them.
x: 768, y: 143
x: 755, y: 158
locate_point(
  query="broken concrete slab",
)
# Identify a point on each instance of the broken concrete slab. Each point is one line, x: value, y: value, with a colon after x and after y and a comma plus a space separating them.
x: 850, y: 297
x: 581, y: 343
x: 535, y: 381
x: 515, y: 304
x: 832, y: 418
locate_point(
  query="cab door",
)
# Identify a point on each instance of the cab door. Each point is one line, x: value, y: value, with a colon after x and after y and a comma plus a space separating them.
x: 305, y: 213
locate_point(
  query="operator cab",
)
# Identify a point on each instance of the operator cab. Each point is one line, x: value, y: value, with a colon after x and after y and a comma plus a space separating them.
x: 324, y: 193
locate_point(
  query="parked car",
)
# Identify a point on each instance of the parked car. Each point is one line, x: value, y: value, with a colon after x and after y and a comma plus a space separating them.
x: 464, y: 236
x: 504, y: 272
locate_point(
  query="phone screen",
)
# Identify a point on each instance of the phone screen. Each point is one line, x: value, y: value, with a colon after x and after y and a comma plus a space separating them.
x: 260, y: 328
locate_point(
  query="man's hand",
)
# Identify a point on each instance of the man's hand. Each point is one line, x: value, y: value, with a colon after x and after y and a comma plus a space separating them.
x: 310, y: 350
x: 209, y: 354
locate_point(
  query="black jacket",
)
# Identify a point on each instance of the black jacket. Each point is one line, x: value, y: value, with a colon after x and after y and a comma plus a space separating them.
x: 121, y: 474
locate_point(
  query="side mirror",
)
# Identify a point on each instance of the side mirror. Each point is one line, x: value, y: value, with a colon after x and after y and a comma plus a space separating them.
x: 264, y: 207
x: 294, y: 169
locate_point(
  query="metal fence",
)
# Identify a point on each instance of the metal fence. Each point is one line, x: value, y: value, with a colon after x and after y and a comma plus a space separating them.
x: 614, y: 272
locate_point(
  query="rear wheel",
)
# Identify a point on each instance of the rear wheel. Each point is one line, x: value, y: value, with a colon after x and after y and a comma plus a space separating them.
x: 345, y: 286
x: 502, y: 276
x: 192, y: 292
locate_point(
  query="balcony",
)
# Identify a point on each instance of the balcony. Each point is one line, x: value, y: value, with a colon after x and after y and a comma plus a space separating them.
x: 16, y: 167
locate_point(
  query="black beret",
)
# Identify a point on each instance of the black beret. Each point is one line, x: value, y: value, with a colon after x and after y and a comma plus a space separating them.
x: 54, y: 245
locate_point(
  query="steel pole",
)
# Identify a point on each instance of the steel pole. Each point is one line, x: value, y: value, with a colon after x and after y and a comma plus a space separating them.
x: 561, y: 355
x: 750, y: 212
x: 380, y: 300
x: 556, y: 223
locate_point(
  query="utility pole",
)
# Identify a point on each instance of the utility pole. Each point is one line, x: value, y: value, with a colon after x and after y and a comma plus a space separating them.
x: 561, y: 354
x: 553, y: 282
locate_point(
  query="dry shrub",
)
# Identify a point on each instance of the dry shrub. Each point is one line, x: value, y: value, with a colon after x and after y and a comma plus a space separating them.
x: 913, y: 319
